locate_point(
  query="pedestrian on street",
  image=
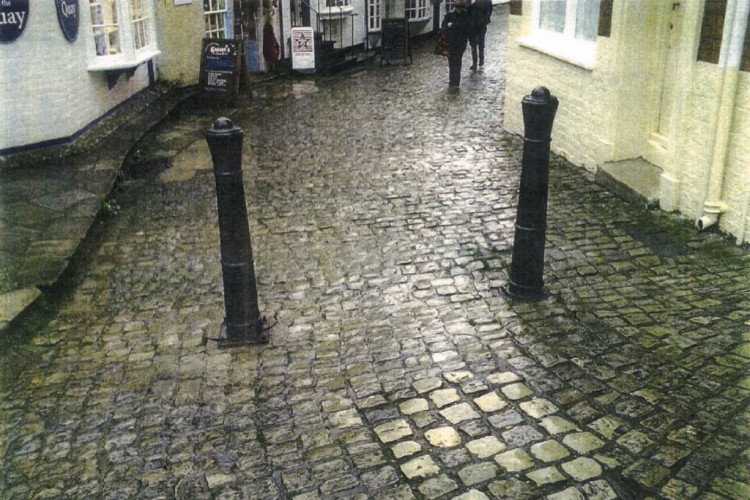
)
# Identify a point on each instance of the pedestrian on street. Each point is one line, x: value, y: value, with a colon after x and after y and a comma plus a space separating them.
x: 459, y: 26
x: 481, y: 11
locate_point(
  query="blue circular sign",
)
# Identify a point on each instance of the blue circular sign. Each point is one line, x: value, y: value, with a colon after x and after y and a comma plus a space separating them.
x: 68, y: 15
x: 14, y: 15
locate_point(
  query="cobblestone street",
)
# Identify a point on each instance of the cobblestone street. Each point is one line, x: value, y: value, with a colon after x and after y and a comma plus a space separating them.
x: 381, y: 209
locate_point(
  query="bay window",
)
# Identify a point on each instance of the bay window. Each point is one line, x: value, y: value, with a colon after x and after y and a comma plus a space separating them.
x: 122, y: 34
x: 565, y: 29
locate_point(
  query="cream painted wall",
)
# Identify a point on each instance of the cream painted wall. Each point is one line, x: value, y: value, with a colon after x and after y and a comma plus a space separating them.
x: 583, y: 128
x: 46, y: 92
x: 180, y: 31
x: 608, y: 113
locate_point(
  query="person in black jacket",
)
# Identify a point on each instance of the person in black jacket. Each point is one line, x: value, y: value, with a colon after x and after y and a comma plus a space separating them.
x: 481, y: 11
x: 459, y: 26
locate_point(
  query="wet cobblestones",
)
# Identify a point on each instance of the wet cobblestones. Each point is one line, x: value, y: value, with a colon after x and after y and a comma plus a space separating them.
x: 381, y: 210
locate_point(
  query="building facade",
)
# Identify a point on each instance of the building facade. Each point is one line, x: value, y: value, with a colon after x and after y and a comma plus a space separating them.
x: 65, y: 64
x: 662, y: 83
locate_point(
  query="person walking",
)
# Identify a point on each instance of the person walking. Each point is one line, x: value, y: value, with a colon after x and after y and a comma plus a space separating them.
x: 459, y: 26
x: 481, y: 12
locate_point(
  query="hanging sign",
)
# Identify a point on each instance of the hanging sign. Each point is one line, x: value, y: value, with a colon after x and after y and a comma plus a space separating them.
x: 67, y: 15
x: 14, y: 15
x: 221, y: 65
x: 303, y: 48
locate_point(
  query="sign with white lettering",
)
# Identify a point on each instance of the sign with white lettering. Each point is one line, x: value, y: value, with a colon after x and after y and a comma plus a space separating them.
x: 14, y: 14
x: 220, y: 65
x: 303, y: 48
x: 67, y: 15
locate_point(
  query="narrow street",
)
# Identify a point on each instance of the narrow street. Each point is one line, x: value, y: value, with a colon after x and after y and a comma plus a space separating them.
x: 381, y: 209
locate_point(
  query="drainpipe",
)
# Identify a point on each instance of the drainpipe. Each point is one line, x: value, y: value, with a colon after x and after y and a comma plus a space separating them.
x: 729, y: 64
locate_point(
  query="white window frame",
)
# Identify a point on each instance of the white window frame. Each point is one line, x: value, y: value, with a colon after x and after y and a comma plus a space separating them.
x: 133, y: 38
x: 374, y: 15
x: 418, y: 13
x: 565, y: 45
x: 334, y: 9
x: 215, y: 19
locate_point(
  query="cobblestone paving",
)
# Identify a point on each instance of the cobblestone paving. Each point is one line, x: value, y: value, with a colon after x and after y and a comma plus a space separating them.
x: 381, y: 209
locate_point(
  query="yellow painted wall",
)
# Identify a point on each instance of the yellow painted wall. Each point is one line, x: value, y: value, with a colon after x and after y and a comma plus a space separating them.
x: 180, y: 31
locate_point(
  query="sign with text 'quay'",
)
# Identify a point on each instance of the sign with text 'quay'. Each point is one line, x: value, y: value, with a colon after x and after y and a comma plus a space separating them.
x: 14, y: 15
x: 68, y: 16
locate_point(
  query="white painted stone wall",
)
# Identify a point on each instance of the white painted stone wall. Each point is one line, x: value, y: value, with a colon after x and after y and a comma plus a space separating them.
x: 46, y: 92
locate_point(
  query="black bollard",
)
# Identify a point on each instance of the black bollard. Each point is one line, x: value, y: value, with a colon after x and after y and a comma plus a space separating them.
x: 243, y: 323
x: 527, y: 266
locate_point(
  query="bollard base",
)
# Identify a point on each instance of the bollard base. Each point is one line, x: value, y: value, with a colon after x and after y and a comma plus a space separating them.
x: 522, y: 293
x: 246, y: 334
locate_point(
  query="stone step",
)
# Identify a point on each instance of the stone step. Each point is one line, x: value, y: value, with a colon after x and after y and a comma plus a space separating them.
x: 634, y: 180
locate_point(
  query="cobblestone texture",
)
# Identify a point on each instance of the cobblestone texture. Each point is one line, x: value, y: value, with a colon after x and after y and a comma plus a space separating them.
x: 381, y: 209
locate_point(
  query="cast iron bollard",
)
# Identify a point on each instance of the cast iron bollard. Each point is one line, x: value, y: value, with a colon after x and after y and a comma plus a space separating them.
x: 527, y: 266
x: 243, y: 323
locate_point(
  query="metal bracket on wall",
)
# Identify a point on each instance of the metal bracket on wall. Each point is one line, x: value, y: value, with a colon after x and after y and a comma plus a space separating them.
x: 114, y: 74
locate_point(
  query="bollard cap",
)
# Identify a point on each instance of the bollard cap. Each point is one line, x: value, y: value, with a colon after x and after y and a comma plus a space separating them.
x: 223, y: 126
x: 539, y: 96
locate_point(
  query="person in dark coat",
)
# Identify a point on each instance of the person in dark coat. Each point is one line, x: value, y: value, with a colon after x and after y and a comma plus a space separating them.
x: 481, y: 11
x: 459, y: 26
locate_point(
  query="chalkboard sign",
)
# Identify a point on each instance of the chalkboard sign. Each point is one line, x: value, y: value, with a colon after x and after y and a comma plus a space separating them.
x: 395, y: 42
x: 221, y: 63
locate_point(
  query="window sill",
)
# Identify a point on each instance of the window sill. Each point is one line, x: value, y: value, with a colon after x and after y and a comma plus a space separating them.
x: 577, y: 52
x: 419, y: 19
x: 120, y: 62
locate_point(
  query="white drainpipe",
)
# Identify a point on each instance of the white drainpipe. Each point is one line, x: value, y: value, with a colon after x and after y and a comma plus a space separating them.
x: 735, y: 23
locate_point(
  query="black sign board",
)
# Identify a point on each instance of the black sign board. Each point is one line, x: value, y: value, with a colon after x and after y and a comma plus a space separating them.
x: 14, y: 16
x: 68, y: 16
x: 221, y: 65
x: 395, y: 42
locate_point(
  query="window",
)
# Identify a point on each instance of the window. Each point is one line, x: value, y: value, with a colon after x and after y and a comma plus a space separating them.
x: 139, y: 17
x: 106, y: 27
x: 416, y: 9
x: 578, y: 19
x: 566, y: 29
x: 374, y: 9
x: 338, y: 3
x: 214, y: 18
x: 122, y: 34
